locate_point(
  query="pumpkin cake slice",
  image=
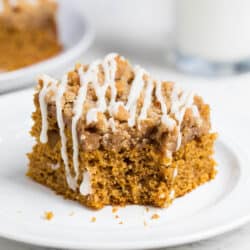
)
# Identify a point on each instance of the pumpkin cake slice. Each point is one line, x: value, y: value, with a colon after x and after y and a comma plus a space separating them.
x: 109, y: 134
x: 28, y: 32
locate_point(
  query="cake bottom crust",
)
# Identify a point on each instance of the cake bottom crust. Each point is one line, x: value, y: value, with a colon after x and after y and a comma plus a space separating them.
x: 141, y: 176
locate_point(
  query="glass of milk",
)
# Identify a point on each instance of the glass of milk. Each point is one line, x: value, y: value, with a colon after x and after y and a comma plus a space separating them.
x: 212, y: 37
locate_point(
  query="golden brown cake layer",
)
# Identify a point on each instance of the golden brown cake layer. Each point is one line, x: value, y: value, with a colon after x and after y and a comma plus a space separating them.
x: 130, y: 177
x: 28, y: 33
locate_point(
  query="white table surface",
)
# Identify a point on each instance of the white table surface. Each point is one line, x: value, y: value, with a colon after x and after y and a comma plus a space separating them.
x: 229, y: 98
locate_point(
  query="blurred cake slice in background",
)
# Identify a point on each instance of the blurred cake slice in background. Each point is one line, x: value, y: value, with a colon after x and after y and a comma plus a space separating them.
x: 28, y: 32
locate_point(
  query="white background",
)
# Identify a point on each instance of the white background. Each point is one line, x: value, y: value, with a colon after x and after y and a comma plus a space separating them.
x: 135, y: 22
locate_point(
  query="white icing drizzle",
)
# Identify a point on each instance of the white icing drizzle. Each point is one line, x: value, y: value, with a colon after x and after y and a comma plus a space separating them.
x: 184, y: 102
x: 175, y: 172
x: 195, y: 111
x: 92, y: 116
x: 112, y: 124
x: 109, y: 68
x: 179, y: 100
x: 165, y: 118
x: 43, y: 105
x: 61, y: 89
x: 85, y: 79
x: 55, y: 166
x: 169, y: 155
x: 91, y: 76
x: 147, y: 100
x: 169, y: 122
x: 172, y: 192
x: 136, y: 88
x: 85, y: 187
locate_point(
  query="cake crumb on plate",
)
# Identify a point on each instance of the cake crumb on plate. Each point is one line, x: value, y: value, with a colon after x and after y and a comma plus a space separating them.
x: 93, y: 219
x: 155, y: 216
x: 48, y: 215
x: 114, y: 209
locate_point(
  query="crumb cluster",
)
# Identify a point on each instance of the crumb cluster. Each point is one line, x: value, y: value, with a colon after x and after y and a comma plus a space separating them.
x: 48, y: 215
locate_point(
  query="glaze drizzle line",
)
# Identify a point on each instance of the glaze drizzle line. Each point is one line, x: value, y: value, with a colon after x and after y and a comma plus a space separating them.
x: 60, y: 92
x: 48, y: 84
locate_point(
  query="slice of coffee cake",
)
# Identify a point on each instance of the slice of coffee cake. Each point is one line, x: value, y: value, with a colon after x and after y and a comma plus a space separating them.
x: 28, y: 32
x: 109, y: 134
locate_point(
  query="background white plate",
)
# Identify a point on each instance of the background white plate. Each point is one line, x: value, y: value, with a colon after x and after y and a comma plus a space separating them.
x: 75, y: 35
x: 214, y: 208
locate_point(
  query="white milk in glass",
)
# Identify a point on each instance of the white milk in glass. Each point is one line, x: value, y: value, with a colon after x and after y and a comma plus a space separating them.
x: 213, y: 30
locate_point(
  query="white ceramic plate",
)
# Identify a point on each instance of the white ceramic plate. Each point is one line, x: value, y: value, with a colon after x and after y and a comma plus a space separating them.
x: 212, y: 209
x: 75, y: 34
